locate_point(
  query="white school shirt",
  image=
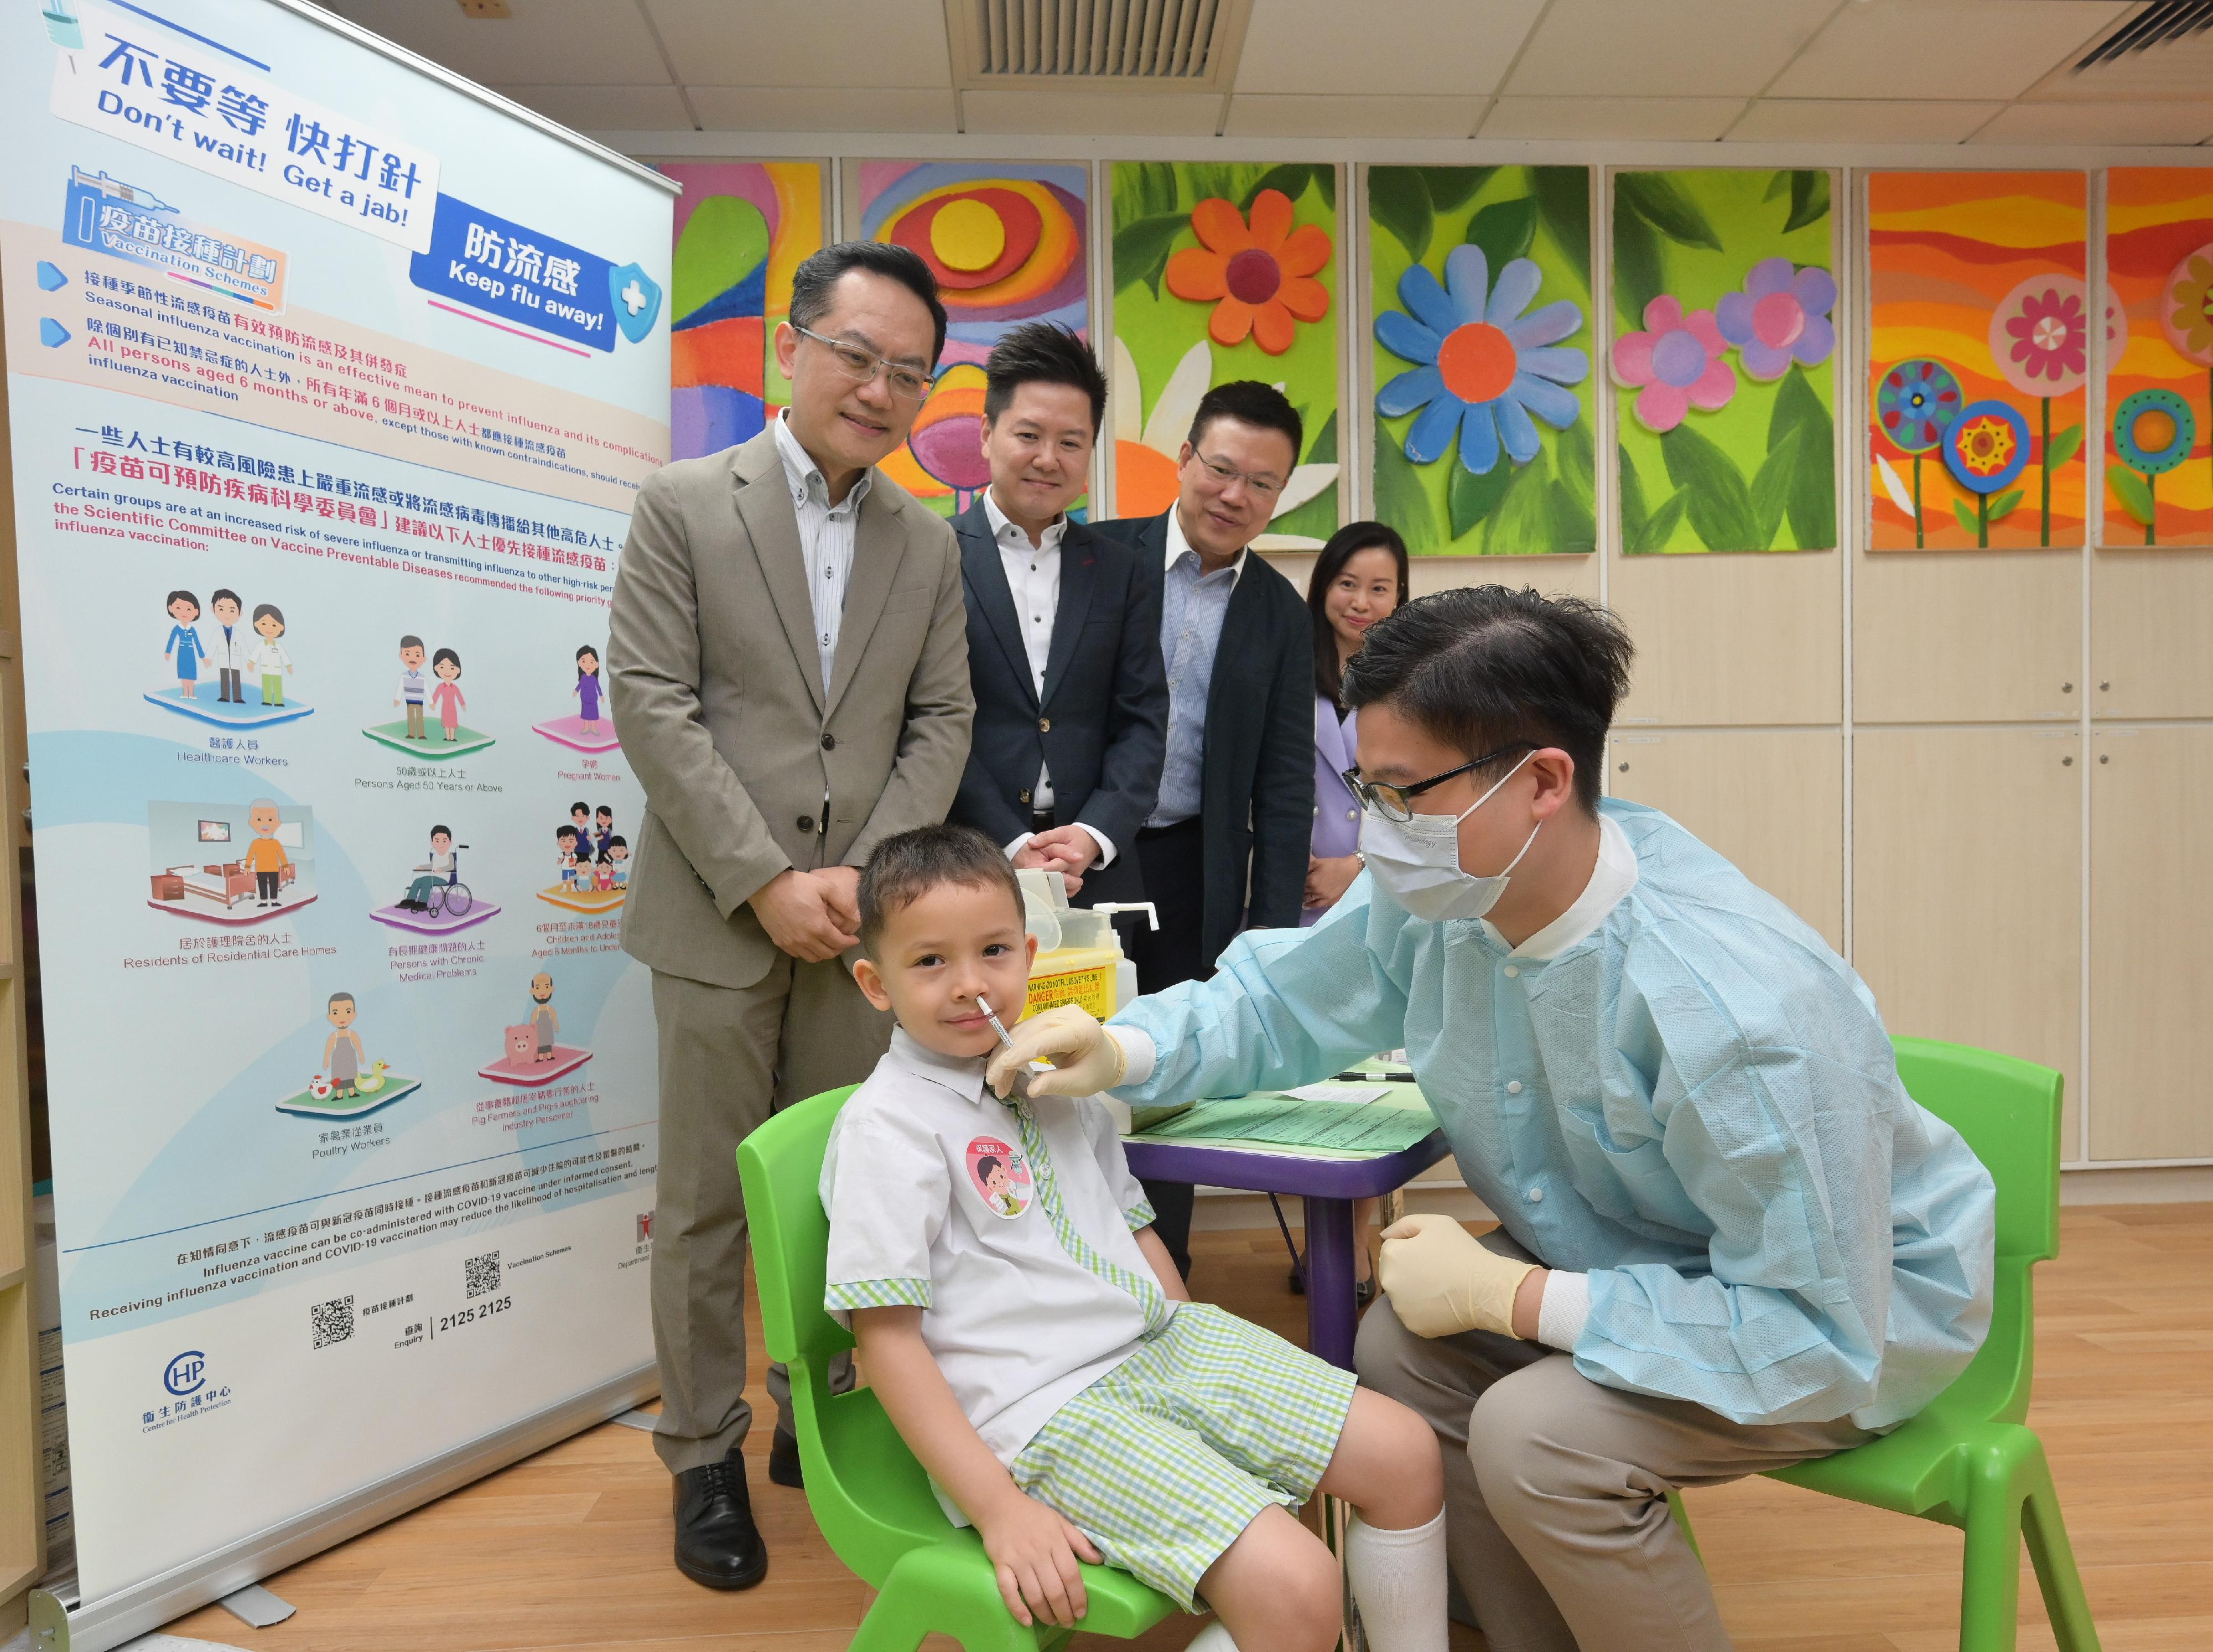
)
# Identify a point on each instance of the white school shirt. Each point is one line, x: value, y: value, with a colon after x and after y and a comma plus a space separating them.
x: 825, y: 539
x: 1033, y: 581
x: 1018, y: 1326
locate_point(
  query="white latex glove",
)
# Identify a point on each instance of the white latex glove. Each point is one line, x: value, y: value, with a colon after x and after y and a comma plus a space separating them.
x: 1440, y: 1281
x: 1085, y: 1057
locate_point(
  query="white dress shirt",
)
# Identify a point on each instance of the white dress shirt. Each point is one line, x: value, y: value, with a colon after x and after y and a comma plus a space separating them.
x: 825, y: 539
x: 1016, y: 1324
x: 1034, y: 581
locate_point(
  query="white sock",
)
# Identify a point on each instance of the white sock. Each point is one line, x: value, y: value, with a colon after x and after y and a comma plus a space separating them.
x: 1399, y: 1580
x: 1212, y: 1639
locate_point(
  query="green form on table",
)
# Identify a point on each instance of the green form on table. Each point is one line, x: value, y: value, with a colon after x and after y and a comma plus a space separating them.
x: 1354, y: 1120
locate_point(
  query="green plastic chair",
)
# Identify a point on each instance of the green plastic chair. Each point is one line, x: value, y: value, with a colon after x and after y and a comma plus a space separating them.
x: 1966, y: 1460
x: 868, y: 1493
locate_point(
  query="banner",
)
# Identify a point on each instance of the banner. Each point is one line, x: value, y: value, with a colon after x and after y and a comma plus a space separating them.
x: 326, y: 413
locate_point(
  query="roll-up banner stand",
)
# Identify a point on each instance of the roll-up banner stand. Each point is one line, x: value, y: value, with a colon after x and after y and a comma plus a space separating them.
x: 331, y: 379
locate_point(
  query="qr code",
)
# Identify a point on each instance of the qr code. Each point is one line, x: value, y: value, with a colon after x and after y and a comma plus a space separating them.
x: 481, y: 1273
x: 333, y: 1321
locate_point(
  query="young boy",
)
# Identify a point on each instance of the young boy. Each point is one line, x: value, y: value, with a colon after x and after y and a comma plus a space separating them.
x: 1034, y: 1346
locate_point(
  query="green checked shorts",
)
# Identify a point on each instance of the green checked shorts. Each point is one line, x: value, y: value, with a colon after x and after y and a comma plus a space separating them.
x: 1165, y: 1460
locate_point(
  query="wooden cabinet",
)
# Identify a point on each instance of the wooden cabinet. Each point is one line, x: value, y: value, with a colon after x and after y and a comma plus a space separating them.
x: 1732, y: 639
x: 1987, y: 637
x: 2151, y: 915
x: 1772, y: 801
x: 2151, y: 612
x: 1967, y: 891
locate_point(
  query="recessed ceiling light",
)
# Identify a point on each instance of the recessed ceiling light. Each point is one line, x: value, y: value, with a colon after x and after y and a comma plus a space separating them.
x: 484, y: 9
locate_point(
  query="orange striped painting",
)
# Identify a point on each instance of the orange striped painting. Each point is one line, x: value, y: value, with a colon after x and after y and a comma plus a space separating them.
x: 2158, y: 384
x: 1980, y: 346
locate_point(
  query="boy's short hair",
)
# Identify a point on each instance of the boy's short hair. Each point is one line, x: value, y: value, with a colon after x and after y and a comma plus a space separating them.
x: 986, y: 1165
x: 908, y: 864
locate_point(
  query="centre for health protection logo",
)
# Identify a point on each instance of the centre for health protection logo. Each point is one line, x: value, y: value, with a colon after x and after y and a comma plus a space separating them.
x: 1001, y: 1177
x: 186, y: 1372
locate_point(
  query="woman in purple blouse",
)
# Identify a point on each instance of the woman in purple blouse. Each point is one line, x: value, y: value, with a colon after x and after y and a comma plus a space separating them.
x: 1359, y: 580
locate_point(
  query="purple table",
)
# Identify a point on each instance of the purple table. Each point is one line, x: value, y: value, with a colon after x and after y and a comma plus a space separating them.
x: 1327, y: 1188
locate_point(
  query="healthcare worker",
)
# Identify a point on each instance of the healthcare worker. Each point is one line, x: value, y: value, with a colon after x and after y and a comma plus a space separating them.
x: 1730, y: 1239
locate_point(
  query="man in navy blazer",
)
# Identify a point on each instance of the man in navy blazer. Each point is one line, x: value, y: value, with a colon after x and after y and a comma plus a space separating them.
x: 1225, y: 846
x: 1063, y: 634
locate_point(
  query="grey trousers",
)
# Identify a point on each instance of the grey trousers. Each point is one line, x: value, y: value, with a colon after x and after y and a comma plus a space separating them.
x: 1555, y: 1511
x: 728, y: 1058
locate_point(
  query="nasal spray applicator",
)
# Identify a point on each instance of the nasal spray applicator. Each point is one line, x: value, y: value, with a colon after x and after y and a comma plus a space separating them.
x: 1022, y: 1075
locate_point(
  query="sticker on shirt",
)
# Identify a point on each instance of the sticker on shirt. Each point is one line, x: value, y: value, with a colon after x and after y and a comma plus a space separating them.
x: 1001, y: 1177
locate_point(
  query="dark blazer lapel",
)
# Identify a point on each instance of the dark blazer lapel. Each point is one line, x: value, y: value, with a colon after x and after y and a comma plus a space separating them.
x: 987, y: 587
x: 1239, y: 620
x: 1079, y: 577
x: 763, y: 504
x: 879, y: 547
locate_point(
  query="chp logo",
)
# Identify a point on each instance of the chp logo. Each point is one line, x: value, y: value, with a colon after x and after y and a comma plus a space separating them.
x: 645, y: 1227
x: 185, y: 1373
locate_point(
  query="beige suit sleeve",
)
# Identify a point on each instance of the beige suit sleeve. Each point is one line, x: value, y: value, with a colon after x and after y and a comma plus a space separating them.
x: 933, y: 747
x: 654, y: 673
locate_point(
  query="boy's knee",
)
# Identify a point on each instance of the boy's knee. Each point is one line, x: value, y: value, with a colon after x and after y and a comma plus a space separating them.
x: 1411, y: 1445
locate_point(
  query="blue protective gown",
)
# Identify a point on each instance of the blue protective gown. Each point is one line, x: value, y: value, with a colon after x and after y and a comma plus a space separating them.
x: 1695, y: 1105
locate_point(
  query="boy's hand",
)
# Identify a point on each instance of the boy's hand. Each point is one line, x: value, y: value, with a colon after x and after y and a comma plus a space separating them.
x: 1033, y: 1551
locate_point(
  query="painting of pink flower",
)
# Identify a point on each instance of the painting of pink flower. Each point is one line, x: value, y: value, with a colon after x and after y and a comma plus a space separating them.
x: 1674, y: 364
x: 2040, y: 336
x: 1782, y: 315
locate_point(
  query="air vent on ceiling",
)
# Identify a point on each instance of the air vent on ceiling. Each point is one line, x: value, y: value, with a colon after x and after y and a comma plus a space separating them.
x: 2159, y: 24
x: 1157, y: 44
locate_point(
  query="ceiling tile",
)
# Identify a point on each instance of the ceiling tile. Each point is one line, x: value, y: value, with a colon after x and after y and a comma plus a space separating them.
x: 1858, y: 120
x: 830, y: 43
x: 801, y: 109
x: 1275, y: 115
x: 606, y: 108
x: 1711, y: 48
x: 545, y: 43
x: 1441, y: 47
x: 1942, y: 48
x: 2147, y: 121
x: 1681, y: 119
x: 1113, y: 114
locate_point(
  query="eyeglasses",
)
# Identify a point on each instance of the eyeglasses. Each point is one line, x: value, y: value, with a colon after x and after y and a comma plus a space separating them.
x: 907, y: 383
x: 1267, y: 486
x: 1397, y: 803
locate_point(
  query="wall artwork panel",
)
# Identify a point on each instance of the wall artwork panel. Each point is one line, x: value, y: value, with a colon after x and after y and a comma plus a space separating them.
x: 742, y: 227
x: 1979, y: 347
x: 1007, y: 243
x: 1480, y: 281
x: 2159, y: 360
x: 1723, y: 360
x: 1224, y: 272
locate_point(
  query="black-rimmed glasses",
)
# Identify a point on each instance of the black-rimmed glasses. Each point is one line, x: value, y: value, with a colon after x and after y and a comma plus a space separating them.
x: 1397, y: 803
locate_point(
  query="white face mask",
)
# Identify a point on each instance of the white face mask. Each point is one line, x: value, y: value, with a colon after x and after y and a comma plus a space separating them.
x: 1416, y: 861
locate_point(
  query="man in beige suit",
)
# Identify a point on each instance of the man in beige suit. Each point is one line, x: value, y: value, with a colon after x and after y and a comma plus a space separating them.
x: 788, y: 663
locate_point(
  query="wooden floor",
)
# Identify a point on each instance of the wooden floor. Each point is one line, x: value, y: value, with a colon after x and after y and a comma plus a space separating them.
x: 570, y: 1550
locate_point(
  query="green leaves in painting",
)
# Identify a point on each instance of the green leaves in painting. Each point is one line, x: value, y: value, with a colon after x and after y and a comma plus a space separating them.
x: 1505, y: 230
x: 1717, y: 502
x: 1641, y: 531
x: 2004, y: 502
x: 1399, y: 499
x: 1293, y: 181
x: 1564, y: 204
x: 1655, y: 198
x: 1810, y: 500
x: 2064, y: 447
x: 1809, y: 197
x: 1142, y: 248
x: 1527, y: 509
x: 1398, y: 199
x: 1470, y: 499
x: 2135, y: 492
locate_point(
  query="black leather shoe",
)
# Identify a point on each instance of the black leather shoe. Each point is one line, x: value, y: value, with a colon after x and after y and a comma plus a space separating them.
x: 717, y: 1541
x: 783, y: 1461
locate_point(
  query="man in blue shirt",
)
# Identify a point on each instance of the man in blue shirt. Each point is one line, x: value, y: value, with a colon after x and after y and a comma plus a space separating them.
x: 1730, y: 1239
